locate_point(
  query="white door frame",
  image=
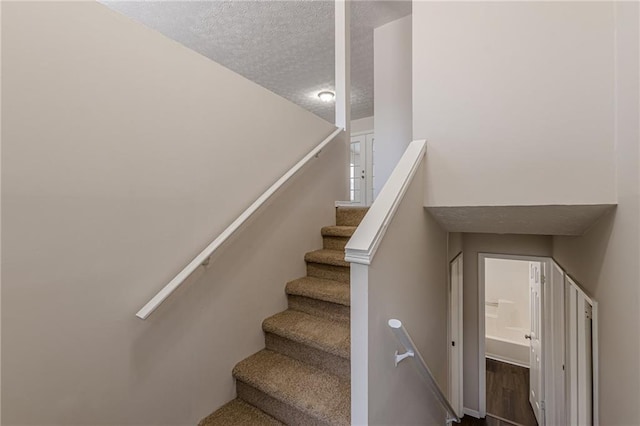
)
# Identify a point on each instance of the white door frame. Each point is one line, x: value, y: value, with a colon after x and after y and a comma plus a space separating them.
x: 455, y: 334
x: 482, y: 367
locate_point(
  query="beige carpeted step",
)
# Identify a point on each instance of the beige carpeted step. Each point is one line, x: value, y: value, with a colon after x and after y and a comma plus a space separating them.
x: 319, y: 333
x: 336, y: 237
x: 303, y: 375
x: 321, y: 289
x: 329, y: 272
x: 292, y: 391
x: 322, y: 298
x: 350, y: 216
x: 319, y: 308
x: 328, y: 264
x: 327, y: 257
x: 238, y: 412
x: 338, y: 231
x: 316, y: 341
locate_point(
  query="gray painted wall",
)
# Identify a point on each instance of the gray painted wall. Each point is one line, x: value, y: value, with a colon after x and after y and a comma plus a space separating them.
x: 393, y: 92
x: 605, y: 260
x: 123, y: 155
x: 516, y: 101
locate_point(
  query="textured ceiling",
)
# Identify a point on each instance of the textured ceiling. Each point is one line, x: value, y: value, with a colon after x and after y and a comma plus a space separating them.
x: 285, y: 46
x: 541, y: 220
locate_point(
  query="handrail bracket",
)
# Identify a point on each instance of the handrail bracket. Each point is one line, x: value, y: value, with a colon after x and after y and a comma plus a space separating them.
x: 412, y: 352
x: 400, y: 357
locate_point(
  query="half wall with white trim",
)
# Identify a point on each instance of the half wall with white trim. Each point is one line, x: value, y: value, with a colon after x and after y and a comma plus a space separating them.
x: 399, y: 271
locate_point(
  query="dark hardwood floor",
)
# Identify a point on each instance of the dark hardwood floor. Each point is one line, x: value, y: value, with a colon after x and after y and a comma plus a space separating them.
x: 507, y: 397
x: 488, y: 421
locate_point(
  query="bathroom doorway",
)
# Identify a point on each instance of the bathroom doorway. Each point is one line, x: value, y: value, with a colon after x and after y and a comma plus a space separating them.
x: 557, y: 382
x: 512, y: 337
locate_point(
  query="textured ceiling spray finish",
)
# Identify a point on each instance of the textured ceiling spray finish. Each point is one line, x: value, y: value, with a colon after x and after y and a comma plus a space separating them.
x: 285, y: 46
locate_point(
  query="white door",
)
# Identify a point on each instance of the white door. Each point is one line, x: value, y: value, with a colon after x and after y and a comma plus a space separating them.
x: 585, y: 366
x: 554, y: 349
x: 360, y: 169
x: 582, y: 359
x: 572, y: 353
x: 455, y: 326
x: 536, y: 274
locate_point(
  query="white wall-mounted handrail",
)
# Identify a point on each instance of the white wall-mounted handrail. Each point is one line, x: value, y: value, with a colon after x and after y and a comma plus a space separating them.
x: 412, y: 352
x: 365, y: 241
x: 205, y: 254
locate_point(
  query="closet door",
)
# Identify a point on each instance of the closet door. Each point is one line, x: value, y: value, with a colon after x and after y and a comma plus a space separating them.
x: 555, y: 326
x: 581, y: 362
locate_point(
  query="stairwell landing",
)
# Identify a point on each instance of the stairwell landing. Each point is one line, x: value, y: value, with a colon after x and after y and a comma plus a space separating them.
x: 302, y: 377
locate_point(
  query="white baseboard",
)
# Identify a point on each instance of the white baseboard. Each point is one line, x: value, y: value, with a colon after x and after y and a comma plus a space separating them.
x: 470, y: 412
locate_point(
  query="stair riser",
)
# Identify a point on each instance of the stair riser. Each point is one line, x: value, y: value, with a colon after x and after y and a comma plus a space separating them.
x: 238, y: 412
x: 350, y: 216
x: 328, y: 362
x: 329, y: 272
x: 334, y: 243
x: 320, y: 308
x: 275, y: 408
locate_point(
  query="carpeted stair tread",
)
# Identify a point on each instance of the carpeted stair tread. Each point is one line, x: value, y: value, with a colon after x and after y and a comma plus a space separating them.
x: 327, y: 257
x: 320, y: 395
x: 319, y: 333
x: 350, y: 216
x: 238, y: 412
x: 303, y: 375
x: 338, y: 231
x: 320, y: 289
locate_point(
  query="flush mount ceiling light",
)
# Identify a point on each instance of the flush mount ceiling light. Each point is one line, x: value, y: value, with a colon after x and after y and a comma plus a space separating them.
x: 326, y: 96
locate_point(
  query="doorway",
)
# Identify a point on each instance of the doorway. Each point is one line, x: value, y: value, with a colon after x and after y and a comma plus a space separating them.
x: 511, y: 337
x: 561, y: 378
x: 361, y: 153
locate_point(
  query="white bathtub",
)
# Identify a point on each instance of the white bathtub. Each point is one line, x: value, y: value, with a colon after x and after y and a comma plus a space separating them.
x: 513, y: 351
x: 503, y: 341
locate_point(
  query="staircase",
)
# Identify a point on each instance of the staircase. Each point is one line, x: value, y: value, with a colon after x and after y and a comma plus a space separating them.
x: 302, y: 377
